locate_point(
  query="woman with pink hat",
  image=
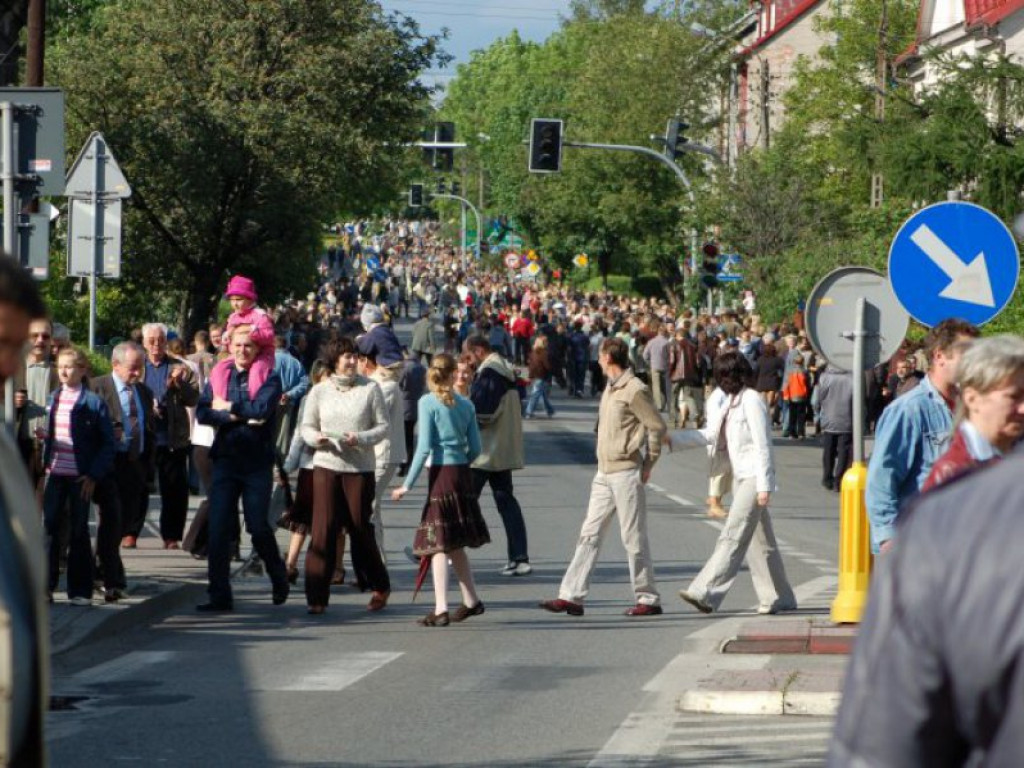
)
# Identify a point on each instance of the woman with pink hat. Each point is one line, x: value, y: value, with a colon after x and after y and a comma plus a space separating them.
x: 241, y: 292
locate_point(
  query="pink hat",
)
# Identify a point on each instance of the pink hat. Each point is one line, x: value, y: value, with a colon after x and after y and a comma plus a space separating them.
x: 241, y: 286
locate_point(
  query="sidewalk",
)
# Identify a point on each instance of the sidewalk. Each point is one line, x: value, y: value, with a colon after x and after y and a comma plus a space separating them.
x: 159, y: 581
x: 785, y: 665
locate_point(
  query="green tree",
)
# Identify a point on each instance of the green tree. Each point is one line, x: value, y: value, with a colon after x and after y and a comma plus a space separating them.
x: 240, y: 125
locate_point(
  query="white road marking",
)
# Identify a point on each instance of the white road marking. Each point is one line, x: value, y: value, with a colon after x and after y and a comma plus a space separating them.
x: 641, y: 736
x: 655, y: 487
x: 335, y: 674
x: 122, y: 667
x: 680, y: 500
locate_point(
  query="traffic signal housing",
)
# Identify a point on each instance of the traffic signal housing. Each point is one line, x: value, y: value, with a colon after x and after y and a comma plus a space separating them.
x: 709, y: 265
x: 545, y: 145
x: 675, y: 137
x: 416, y: 196
x: 444, y: 158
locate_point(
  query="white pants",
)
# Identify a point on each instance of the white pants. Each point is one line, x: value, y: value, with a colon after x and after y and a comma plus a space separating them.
x: 623, y: 494
x: 748, y: 531
x: 383, y: 476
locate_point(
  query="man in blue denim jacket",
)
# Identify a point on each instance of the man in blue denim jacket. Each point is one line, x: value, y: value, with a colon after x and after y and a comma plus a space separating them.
x: 914, y: 431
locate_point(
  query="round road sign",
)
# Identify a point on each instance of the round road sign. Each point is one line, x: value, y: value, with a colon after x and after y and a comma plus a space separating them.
x: 831, y: 315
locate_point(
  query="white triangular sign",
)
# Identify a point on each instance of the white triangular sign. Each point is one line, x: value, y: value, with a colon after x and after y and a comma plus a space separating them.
x: 82, y: 178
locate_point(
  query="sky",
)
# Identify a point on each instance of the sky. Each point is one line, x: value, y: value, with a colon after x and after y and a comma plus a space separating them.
x: 475, y: 24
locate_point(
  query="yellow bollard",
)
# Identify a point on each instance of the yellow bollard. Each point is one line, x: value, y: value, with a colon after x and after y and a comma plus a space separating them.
x: 854, y: 548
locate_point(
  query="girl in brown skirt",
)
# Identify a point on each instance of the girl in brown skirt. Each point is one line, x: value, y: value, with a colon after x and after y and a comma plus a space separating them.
x: 451, y: 519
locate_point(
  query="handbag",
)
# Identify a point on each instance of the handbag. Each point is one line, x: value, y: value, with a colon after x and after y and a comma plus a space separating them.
x: 282, y: 499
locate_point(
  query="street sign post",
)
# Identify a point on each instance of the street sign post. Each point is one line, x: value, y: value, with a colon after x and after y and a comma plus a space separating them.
x: 96, y: 186
x: 855, y: 322
x: 31, y: 164
x: 954, y: 259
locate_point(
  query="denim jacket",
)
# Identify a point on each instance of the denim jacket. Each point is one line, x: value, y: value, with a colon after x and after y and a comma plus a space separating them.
x: 912, y: 433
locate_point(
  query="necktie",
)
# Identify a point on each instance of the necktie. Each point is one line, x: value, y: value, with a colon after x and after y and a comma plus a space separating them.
x: 133, y: 424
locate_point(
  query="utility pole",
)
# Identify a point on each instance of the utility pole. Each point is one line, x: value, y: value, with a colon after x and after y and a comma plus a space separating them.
x: 35, y: 52
x: 881, y: 82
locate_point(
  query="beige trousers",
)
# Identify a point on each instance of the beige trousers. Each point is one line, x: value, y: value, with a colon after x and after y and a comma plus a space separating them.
x: 747, y: 532
x: 622, y: 494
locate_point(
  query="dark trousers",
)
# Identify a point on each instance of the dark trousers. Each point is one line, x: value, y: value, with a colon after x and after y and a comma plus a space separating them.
x: 410, y: 429
x: 172, y: 474
x: 249, y: 480
x: 836, y: 457
x: 133, y: 492
x: 596, y: 379
x: 522, y: 350
x: 509, y: 509
x: 62, y: 497
x: 342, y: 499
x: 577, y: 376
x: 108, y: 533
x: 795, y: 419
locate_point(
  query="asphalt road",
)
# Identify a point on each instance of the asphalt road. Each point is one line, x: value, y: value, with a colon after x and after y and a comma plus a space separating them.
x: 271, y: 686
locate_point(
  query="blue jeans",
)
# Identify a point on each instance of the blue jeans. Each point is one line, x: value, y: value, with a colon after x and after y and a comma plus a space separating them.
x: 63, y: 496
x: 539, y: 389
x: 250, y: 481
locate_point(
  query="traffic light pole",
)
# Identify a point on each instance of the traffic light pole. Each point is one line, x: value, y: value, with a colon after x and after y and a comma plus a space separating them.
x: 479, y: 221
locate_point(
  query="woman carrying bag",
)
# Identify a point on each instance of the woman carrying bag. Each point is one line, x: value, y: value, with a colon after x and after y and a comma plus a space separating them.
x: 451, y: 519
x: 742, y: 430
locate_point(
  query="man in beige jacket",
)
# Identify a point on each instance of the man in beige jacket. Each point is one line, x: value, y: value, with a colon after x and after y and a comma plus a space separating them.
x: 24, y: 630
x: 628, y: 421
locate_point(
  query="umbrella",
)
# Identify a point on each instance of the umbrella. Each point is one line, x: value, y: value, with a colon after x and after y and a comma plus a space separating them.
x: 421, y: 574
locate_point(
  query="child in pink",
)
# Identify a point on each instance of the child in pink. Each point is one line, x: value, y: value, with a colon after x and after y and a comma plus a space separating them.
x: 241, y: 292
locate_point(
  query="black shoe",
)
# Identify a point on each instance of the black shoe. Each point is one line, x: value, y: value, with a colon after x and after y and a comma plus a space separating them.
x: 827, y: 485
x: 281, y: 592
x: 212, y: 607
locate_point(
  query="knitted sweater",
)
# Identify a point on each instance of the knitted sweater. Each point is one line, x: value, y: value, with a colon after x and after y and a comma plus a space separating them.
x: 334, y: 408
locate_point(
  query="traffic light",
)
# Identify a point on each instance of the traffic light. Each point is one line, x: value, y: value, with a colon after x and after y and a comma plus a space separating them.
x: 456, y: 189
x: 444, y: 159
x: 675, y: 137
x: 545, y: 146
x: 709, y: 266
x: 416, y: 195
x: 441, y: 189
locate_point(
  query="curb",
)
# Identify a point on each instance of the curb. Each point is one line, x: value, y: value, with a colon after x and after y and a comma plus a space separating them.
x: 144, y: 612
x: 133, y: 616
x: 808, y: 704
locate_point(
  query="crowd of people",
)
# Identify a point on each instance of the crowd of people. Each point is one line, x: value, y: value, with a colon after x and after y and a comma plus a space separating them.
x: 320, y: 394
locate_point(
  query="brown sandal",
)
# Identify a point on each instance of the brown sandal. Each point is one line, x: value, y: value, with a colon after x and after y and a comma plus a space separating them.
x: 316, y: 610
x: 434, y: 620
x: 378, y: 601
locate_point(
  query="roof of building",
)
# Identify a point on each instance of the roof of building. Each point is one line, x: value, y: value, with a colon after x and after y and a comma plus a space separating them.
x: 975, y: 14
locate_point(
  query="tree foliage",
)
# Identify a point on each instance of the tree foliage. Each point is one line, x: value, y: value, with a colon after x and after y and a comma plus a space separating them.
x: 614, y: 73
x: 240, y: 125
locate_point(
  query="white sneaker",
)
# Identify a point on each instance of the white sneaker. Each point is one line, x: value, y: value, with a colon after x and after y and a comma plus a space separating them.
x: 82, y: 602
x: 517, y: 569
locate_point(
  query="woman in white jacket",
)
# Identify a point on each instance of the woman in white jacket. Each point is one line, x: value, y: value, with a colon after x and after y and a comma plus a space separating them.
x: 742, y: 430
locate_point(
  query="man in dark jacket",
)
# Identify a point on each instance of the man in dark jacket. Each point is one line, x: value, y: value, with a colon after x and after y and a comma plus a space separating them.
x: 122, y: 495
x: 935, y: 675
x: 413, y: 383
x: 499, y: 413
x: 243, y: 457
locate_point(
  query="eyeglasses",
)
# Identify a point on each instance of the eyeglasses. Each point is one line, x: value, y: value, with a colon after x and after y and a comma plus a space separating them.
x: 40, y: 335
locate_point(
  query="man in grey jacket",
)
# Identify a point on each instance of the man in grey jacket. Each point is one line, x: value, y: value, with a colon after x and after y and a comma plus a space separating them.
x: 833, y: 400
x: 935, y: 675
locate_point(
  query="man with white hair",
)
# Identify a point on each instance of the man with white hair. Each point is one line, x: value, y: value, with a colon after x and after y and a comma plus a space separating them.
x: 174, y: 389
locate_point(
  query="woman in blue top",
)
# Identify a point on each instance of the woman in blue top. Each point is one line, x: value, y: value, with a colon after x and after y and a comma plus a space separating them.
x: 451, y: 519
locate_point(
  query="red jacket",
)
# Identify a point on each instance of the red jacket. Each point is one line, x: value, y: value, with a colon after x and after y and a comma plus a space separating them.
x: 952, y: 464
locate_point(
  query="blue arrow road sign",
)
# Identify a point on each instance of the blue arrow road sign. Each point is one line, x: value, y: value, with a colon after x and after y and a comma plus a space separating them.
x: 953, y: 260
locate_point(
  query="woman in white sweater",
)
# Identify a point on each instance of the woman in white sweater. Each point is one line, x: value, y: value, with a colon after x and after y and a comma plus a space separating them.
x: 345, y: 417
x: 742, y: 430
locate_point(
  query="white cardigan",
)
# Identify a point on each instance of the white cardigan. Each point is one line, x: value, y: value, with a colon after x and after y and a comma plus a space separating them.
x: 747, y: 434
